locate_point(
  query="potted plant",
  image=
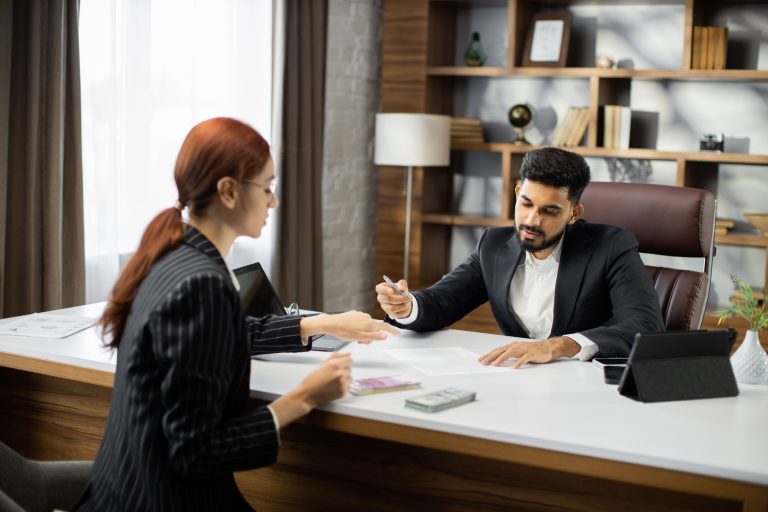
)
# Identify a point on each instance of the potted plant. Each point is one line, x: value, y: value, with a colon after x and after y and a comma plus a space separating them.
x: 750, y: 362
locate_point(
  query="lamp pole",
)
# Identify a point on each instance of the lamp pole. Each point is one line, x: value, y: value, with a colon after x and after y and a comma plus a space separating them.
x: 408, y: 192
x: 412, y: 140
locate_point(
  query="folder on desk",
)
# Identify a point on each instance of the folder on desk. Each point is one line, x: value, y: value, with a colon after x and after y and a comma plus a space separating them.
x: 681, y: 365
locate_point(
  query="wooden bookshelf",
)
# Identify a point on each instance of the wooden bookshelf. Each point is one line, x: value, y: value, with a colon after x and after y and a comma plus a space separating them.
x: 650, y: 74
x: 419, y: 75
x: 742, y: 240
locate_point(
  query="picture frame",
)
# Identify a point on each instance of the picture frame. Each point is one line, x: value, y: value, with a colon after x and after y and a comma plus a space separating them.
x: 547, y: 41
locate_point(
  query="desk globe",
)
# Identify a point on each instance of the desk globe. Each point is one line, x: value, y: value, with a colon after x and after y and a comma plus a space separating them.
x: 521, y: 117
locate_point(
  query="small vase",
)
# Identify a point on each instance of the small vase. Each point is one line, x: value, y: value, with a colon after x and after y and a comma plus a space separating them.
x: 750, y: 362
x: 475, y: 55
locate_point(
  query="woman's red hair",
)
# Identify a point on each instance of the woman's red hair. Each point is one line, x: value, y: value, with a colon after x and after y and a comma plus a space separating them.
x: 212, y: 150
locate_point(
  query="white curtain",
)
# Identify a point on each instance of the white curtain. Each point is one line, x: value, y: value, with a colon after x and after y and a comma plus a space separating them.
x: 151, y: 69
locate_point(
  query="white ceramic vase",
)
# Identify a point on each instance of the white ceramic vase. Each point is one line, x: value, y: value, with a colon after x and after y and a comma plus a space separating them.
x: 750, y: 362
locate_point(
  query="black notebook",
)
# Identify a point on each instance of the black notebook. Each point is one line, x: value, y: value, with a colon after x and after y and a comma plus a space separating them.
x: 680, y: 365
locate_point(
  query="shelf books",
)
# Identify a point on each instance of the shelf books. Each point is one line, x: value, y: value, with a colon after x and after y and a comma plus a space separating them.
x: 617, y: 121
x: 373, y: 385
x: 572, y: 128
x: 466, y: 130
x: 722, y: 226
x: 709, y: 47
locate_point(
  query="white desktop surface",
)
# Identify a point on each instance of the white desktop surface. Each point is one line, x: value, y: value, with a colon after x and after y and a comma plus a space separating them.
x: 563, y: 406
x: 83, y: 348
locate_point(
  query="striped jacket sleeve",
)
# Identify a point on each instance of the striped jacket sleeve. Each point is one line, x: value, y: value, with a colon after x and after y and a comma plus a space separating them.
x: 195, y: 340
x: 274, y: 333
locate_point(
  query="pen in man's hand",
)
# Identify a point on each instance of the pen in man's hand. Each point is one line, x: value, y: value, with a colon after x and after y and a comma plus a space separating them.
x: 395, y: 287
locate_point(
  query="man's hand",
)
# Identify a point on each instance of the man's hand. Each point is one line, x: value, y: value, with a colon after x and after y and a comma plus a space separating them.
x: 394, y: 304
x: 532, y: 351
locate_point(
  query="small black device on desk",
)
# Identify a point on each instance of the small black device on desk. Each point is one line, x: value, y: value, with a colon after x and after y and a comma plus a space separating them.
x: 613, y: 368
x: 680, y: 365
x: 259, y: 298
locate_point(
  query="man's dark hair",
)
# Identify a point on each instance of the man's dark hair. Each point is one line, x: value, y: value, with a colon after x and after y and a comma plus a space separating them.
x: 557, y: 168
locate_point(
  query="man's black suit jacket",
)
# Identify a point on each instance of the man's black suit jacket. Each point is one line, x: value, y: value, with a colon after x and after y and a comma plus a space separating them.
x: 602, y: 290
x: 179, y: 422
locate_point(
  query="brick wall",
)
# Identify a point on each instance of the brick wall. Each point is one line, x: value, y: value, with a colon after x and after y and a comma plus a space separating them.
x: 353, y: 77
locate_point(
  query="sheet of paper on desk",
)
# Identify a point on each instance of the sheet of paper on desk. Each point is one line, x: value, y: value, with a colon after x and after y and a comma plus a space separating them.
x: 46, y: 325
x: 441, y: 360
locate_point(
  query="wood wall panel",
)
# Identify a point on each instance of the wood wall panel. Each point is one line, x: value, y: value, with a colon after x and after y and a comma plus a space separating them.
x: 442, y: 34
x: 404, y: 56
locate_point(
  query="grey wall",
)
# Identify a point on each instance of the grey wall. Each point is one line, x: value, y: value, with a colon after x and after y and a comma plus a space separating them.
x: 349, y: 176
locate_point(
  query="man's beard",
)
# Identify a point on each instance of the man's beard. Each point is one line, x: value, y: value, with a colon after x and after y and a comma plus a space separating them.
x: 545, y: 243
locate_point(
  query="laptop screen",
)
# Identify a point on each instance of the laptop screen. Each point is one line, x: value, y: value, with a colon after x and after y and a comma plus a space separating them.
x: 256, y: 293
x: 259, y: 298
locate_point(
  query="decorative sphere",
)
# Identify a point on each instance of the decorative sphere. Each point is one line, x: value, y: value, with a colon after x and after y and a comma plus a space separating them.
x: 520, y: 116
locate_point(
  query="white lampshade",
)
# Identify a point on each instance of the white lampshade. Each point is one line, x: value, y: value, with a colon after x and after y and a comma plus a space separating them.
x: 416, y: 140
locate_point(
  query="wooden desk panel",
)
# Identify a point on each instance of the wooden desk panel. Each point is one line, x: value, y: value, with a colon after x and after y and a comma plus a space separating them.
x: 50, y: 418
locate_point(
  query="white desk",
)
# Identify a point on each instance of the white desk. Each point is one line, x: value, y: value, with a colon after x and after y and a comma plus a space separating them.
x: 558, y: 421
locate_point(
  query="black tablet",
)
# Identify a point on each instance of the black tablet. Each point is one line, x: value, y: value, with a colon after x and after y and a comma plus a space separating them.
x: 680, y: 365
x: 662, y: 345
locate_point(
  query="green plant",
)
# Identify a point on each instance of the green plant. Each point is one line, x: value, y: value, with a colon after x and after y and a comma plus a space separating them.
x: 745, y: 305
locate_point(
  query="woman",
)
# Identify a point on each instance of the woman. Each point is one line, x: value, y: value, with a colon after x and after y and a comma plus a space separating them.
x: 179, y: 424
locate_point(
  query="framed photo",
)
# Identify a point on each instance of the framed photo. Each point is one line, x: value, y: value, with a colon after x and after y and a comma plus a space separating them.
x: 547, y: 42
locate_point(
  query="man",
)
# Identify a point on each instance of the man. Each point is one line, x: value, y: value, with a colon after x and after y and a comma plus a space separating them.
x: 577, y: 288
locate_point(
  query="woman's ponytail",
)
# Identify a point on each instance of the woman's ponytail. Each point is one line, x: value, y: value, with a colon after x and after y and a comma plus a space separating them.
x: 162, y: 234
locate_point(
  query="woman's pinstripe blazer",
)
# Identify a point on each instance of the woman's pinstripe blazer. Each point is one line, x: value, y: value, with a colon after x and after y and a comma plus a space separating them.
x: 179, y: 422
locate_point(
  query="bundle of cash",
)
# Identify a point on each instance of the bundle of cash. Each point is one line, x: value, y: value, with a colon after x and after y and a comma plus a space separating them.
x: 383, y: 384
x: 440, y: 400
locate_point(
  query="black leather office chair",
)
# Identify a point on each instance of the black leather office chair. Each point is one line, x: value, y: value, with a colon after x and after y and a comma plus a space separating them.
x: 670, y: 221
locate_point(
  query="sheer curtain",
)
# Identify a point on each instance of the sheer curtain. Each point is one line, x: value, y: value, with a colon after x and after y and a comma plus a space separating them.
x: 150, y: 70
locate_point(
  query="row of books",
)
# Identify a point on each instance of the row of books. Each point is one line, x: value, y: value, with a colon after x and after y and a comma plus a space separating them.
x: 616, y: 124
x: 572, y: 128
x: 709, y: 47
x: 466, y: 130
x: 722, y: 226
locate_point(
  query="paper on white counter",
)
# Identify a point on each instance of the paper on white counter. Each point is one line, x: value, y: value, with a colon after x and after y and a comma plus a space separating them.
x: 46, y: 325
x: 441, y: 360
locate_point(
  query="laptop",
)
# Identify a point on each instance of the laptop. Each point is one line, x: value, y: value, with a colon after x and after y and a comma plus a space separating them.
x: 259, y: 298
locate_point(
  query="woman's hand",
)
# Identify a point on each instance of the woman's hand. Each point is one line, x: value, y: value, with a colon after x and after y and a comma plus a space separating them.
x: 329, y: 382
x: 349, y: 326
x: 325, y: 384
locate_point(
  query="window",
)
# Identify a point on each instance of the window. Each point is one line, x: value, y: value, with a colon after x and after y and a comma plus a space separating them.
x: 150, y: 70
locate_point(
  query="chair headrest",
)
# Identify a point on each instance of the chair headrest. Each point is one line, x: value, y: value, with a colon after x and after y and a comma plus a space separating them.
x: 673, y: 221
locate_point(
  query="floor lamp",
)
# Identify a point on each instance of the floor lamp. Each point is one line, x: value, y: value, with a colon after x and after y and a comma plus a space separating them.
x: 412, y: 140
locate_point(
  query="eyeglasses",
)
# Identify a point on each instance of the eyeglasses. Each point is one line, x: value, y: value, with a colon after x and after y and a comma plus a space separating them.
x: 271, y: 187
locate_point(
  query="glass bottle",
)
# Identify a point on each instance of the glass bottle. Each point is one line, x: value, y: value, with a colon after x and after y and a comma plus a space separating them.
x: 475, y: 55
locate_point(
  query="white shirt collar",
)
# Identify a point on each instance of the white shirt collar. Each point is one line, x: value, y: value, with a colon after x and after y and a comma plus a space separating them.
x: 554, y: 256
x: 232, y: 276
